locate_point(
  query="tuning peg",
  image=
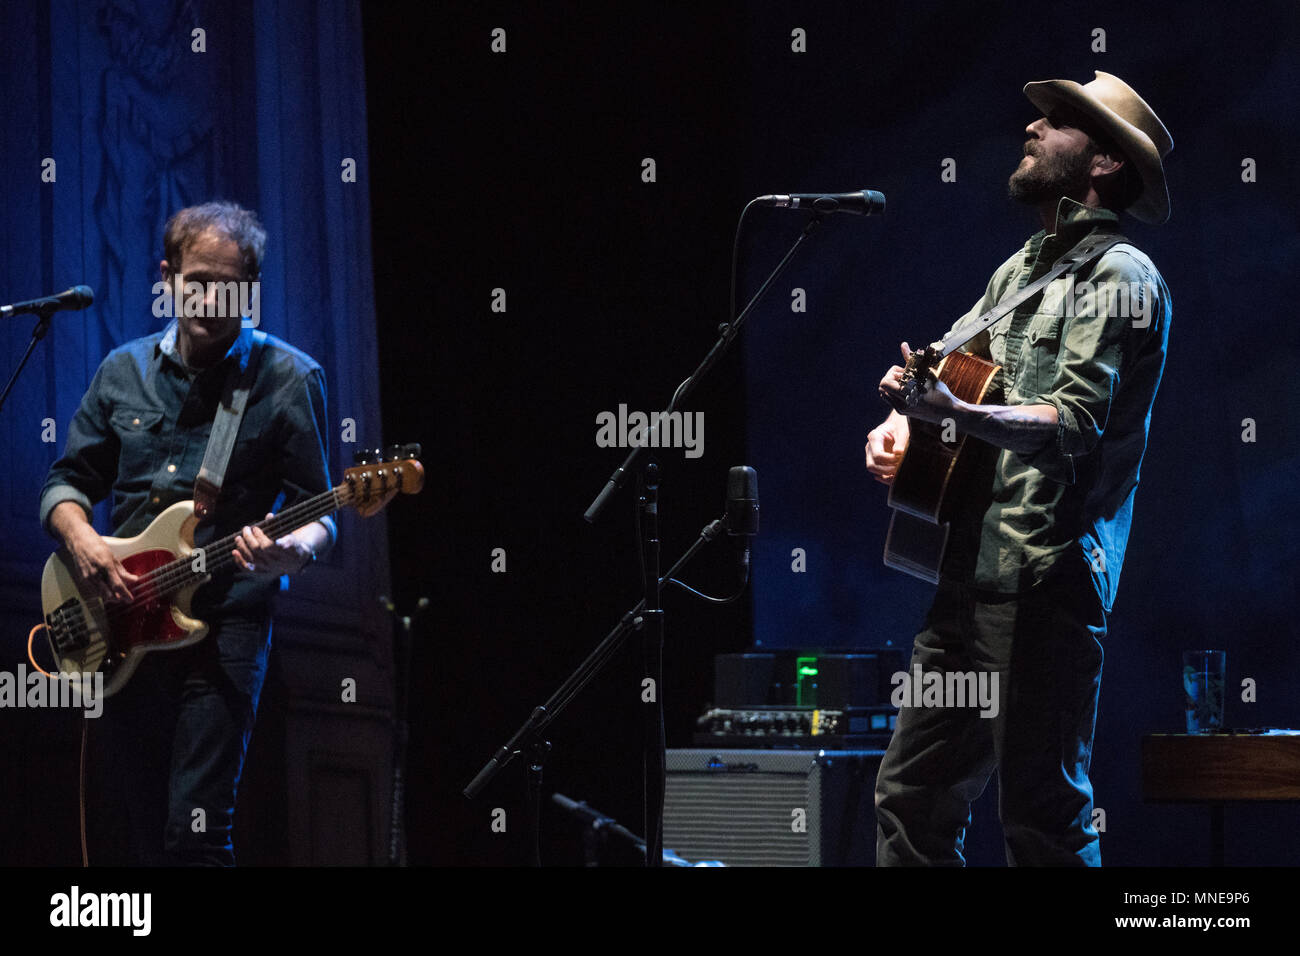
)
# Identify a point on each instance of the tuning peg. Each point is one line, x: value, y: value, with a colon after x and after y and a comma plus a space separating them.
x: 367, y: 456
x: 394, y: 453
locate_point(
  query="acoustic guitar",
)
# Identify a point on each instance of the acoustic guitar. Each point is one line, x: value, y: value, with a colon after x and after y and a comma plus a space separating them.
x: 931, y: 470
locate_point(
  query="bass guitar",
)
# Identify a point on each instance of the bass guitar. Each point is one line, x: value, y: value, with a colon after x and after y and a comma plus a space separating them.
x: 88, y: 636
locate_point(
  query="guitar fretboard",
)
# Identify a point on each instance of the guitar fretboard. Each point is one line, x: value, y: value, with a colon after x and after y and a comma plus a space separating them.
x: 218, y: 555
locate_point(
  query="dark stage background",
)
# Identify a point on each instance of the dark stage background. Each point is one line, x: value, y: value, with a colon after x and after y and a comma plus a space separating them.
x: 522, y: 171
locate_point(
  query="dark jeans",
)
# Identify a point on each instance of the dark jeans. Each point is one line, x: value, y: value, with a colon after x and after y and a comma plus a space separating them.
x: 172, y: 743
x: 1045, y: 646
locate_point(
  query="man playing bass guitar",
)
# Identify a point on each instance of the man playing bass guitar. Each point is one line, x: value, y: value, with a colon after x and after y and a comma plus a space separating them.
x: 178, y: 732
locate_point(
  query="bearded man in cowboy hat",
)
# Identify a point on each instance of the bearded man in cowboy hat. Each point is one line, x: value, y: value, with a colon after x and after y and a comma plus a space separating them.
x: 1037, y: 541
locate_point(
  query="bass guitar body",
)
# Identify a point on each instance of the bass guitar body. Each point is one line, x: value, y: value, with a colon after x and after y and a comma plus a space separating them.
x: 923, y: 488
x: 87, y: 635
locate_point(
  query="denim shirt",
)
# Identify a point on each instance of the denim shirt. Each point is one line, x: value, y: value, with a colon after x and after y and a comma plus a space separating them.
x: 1094, y: 352
x: 142, y: 430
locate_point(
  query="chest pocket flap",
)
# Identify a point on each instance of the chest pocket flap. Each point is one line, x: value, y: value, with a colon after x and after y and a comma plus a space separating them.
x: 126, y: 421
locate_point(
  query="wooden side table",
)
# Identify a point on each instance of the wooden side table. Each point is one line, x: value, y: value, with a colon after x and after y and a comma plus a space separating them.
x: 1217, y: 769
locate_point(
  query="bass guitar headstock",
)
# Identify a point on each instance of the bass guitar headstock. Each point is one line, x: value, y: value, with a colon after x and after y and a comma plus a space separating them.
x: 379, y: 475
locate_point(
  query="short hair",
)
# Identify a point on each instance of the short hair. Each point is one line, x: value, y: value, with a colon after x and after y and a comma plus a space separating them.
x: 232, y: 221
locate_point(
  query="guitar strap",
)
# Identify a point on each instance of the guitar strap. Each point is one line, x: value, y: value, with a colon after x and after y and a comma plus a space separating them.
x: 207, y: 487
x: 1089, y: 248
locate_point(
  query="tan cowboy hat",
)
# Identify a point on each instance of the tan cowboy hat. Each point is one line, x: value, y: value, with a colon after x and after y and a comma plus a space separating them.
x: 1126, y: 118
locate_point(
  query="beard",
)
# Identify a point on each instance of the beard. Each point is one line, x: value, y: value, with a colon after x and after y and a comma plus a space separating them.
x: 1050, y: 177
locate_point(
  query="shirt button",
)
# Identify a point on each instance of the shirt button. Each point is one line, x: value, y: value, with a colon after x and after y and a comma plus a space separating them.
x: 155, y: 499
x: 171, y: 467
x: 135, y: 421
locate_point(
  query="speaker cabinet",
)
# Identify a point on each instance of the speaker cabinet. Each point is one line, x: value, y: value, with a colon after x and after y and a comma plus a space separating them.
x: 772, y: 807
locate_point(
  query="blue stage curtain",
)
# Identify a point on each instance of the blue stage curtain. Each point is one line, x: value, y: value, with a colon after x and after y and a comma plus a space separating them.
x: 139, y: 123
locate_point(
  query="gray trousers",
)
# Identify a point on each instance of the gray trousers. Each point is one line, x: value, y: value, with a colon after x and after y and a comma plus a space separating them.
x: 1045, y: 646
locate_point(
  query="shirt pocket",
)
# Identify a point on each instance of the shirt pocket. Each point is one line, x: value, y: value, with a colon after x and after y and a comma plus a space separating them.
x: 138, y: 431
x: 1040, y: 353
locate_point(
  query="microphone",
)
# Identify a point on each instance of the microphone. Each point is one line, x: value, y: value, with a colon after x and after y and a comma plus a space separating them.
x: 742, y: 510
x: 78, y: 297
x: 864, y: 202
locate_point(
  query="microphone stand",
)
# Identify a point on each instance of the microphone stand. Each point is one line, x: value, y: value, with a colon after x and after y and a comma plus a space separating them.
x: 38, y: 333
x: 653, y: 743
x: 653, y: 747
x: 531, y: 736
x: 401, y: 695
x: 597, y: 827
x: 727, y: 333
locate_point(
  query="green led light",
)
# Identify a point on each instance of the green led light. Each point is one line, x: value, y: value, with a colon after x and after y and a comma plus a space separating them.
x: 805, y: 690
